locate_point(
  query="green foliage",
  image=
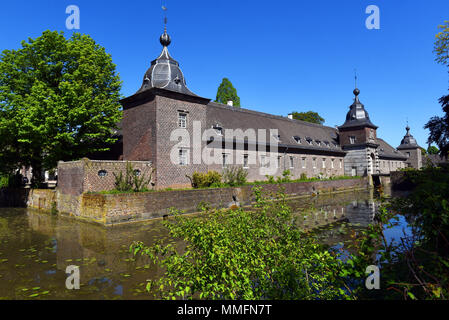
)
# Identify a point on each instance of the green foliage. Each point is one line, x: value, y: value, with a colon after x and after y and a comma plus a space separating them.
x: 308, y: 116
x: 441, y: 47
x: 439, y: 126
x: 433, y: 150
x: 234, y: 176
x: 59, y: 100
x: 205, y: 180
x: 226, y: 92
x: 4, y: 181
x: 244, y: 255
x: 133, y: 180
x: 416, y: 266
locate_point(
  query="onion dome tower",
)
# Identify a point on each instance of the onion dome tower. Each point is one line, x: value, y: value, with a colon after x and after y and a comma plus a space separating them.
x: 411, y: 149
x: 165, y: 72
x: 358, y: 138
x: 357, y: 115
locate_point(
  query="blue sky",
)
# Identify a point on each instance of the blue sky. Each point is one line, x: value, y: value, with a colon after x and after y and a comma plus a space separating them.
x: 281, y: 56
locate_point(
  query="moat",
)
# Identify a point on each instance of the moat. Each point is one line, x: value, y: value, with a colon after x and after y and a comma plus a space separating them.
x: 36, y: 248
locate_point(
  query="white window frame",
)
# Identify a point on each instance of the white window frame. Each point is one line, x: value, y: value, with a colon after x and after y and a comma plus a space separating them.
x: 314, y: 163
x: 183, y: 153
x: 324, y: 163
x: 182, y: 120
x: 352, y: 139
x: 225, y: 160
x: 292, y: 162
x: 246, y: 157
x: 304, y: 162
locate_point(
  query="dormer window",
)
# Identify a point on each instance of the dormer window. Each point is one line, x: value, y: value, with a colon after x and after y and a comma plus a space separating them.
x: 318, y: 142
x: 218, y: 129
x: 297, y: 139
x: 327, y: 144
x: 277, y: 137
x: 309, y: 140
x: 351, y: 139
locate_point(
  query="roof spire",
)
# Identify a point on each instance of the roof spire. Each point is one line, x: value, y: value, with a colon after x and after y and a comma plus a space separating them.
x: 355, y: 78
x: 165, y: 38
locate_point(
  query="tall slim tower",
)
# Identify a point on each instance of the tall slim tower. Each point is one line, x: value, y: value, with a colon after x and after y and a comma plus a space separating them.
x: 358, y: 138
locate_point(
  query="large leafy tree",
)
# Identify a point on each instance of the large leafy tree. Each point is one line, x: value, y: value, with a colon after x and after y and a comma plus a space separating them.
x: 59, y: 100
x: 439, y: 126
x: 308, y: 116
x: 226, y: 92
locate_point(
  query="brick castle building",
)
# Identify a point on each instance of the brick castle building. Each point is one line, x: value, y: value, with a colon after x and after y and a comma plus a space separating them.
x: 164, y: 109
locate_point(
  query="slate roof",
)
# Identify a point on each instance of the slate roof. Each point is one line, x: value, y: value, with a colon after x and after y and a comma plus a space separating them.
x: 388, y: 152
x: 408, y: 142
x: 165, y: 72
x: 228, y: 117
x: 357, y: 115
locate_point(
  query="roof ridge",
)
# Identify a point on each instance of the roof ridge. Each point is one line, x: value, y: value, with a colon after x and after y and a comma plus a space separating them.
x: 269, y: 115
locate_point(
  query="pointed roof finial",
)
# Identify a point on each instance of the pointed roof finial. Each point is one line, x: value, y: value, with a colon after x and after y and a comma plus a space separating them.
x: 165, y: 38
x: 355, y: 78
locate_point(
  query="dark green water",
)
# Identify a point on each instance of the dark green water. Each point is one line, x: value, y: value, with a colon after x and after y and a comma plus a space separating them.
x: 36, y: 248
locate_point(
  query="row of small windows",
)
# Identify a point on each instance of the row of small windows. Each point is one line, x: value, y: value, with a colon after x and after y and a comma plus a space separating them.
x: 264, y: 161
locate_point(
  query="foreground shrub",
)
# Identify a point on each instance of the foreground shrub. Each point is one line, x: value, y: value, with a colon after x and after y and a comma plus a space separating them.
x: 235, y: 176
x: 133, y: 180
x: 205, y: 180
x: 244, y: 254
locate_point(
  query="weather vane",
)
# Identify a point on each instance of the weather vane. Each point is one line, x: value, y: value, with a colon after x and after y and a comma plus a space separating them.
x: 355, y: 77
x: 164, y: 7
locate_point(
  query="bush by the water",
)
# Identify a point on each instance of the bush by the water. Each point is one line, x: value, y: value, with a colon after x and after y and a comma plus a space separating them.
x: 244, y: 254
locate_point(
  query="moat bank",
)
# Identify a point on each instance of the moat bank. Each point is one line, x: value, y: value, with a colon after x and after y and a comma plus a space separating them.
x: 109, y: 209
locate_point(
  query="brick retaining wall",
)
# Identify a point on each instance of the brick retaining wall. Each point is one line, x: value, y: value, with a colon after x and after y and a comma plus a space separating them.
x: 118, y: 208
x: 108, y: 209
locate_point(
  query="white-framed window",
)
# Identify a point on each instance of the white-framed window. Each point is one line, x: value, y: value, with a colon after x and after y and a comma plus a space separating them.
x: 278, y: 162
x: 225, y: 161
x: 318, y: 142
x: 353, y: 171
x: 332, y: 163
x: 245, y: 161
x: 324, y: 163
x: 297, y: 139
x: 314, y: 163
x: 351, y: 139
x: 182, y: 119
x: 341, y: 163
x: 183, y: 157
x: 304, y: 162
x: 263, y: 161
x: 292, y: 162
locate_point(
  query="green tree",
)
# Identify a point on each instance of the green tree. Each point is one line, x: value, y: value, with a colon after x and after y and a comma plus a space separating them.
x: 439, y: 126
x: 432, y: 150
x: 59, y: 100
x: 226, y: 92
x: 308, y: 116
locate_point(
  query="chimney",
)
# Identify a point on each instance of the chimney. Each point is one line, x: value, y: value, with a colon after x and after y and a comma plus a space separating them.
x: 230, y: 103
x: 290, y: 116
